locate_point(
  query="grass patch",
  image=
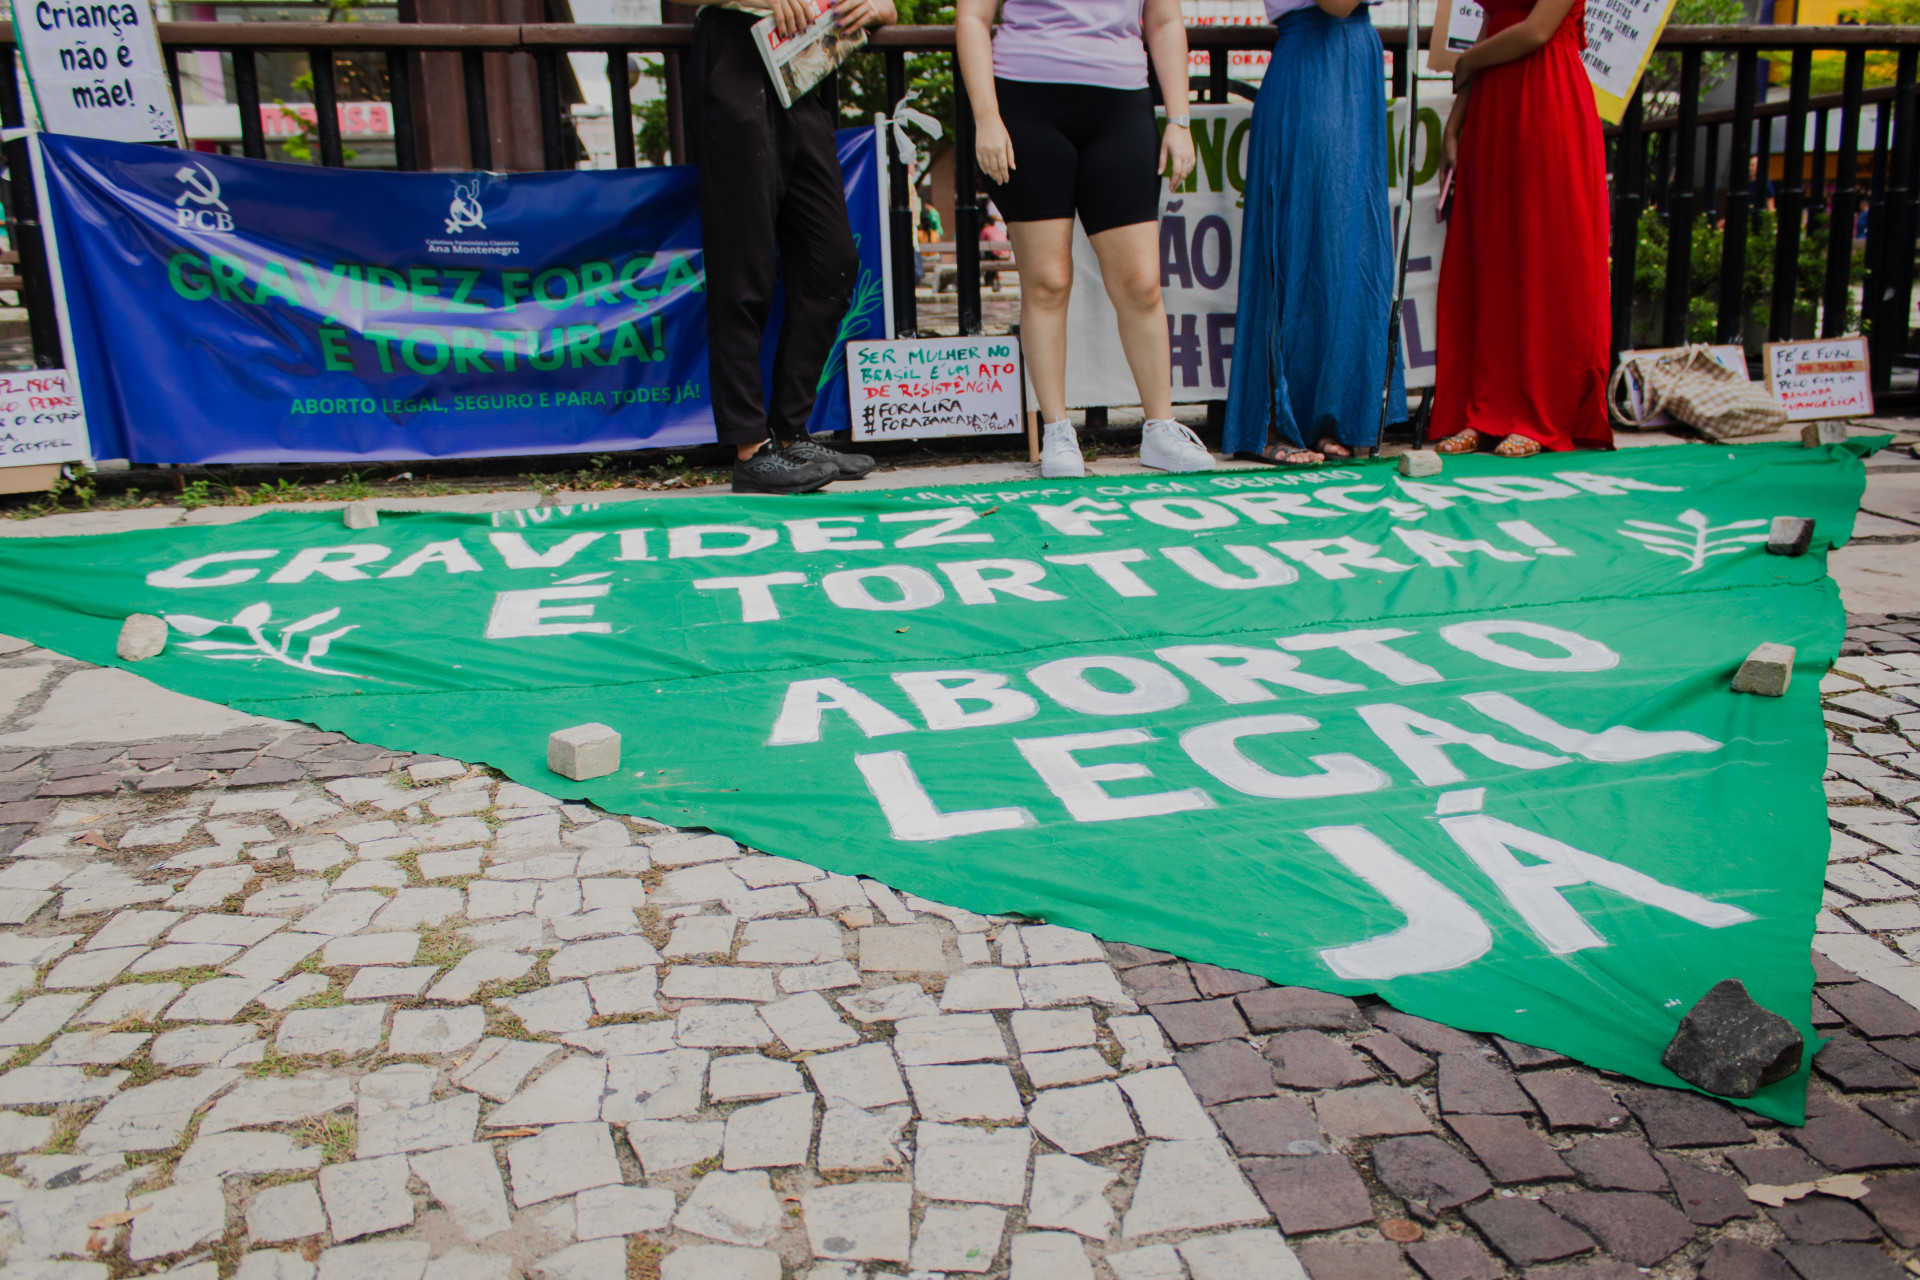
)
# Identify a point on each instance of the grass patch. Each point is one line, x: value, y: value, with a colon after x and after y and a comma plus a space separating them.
x: 328, y: 999
x: 185, y: 977
x: 67, y: 1123
x: 507, y: 1026
x: 333, y: 1134
x: 274, y: 1063
x: 441, y: 944
x: 533, y: 980
x: 643, y: 1259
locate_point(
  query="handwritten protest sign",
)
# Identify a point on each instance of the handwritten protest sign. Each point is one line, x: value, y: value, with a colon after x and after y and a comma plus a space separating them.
x: 1201, y: 252
x: 40, y: 419
x: 96, y: 71
x: 1620, y: 39
x: 912, y: 388
x: 1822, y: 379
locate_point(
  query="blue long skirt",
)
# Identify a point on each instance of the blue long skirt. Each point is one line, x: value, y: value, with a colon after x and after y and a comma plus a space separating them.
x: 1316, y: 247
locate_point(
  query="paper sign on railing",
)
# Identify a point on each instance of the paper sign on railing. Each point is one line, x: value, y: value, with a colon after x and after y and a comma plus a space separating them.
x: 40, y: 419
x: 910, y: 388
x: 1827, y: 378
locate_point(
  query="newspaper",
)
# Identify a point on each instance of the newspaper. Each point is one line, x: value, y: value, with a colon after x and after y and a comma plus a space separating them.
x: 797, y: 63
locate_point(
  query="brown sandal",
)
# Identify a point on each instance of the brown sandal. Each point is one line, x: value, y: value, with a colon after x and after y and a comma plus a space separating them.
x: 1333, y: 448
x: 1464, y: 441
x: 1517, y: 446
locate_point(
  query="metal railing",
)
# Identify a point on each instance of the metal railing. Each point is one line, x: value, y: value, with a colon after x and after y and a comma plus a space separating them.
x: 1687, y: 190
x: 1684, y: 191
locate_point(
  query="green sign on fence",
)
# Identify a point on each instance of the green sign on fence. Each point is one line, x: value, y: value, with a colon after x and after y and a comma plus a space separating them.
x: 1468, y: 743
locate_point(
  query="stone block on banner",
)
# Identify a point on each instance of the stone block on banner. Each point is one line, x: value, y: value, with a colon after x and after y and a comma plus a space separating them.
x: 1818, y: 434
x: 1419, y: 463
x: 360, y: 515
x: 1768, y: 670
x: 584, y: 751
x: 141, y: 636
x: 1789, y: 536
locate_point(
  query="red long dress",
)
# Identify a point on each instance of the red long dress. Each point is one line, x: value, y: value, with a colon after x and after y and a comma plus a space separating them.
x: 1523, y: 310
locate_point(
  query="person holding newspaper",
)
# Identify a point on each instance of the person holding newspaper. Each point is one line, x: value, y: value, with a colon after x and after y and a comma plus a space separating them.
x: 1063, y: 123
x: 772, y: 204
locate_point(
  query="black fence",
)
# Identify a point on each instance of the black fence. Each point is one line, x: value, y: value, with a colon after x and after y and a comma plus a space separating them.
x: 1687, y: 165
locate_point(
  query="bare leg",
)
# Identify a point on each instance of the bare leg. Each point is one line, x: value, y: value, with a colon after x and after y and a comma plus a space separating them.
x: 1130, y: 266
x: 1044, y: 251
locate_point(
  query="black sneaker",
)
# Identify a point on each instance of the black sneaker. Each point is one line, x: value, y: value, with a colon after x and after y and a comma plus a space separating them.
x: 852, y: 466
x: 783, y: 471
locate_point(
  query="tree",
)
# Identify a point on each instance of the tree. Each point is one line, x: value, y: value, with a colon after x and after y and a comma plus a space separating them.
x: 1662, y: 80
x: 1829, y: 69
x: 863, y: 77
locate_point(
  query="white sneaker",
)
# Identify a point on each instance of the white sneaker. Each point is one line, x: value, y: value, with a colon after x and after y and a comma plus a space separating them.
x: 1060, y: 452
x: 1165, y: 445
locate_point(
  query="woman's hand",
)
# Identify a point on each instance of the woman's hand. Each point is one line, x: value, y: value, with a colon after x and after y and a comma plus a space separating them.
x: 790, y: 17
x: 853, y: 15
x: 993, y: 149
x: 1176, y: 155
x: 1450, y: 147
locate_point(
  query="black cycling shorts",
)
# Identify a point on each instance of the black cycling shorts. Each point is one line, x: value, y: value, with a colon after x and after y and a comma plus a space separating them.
x: 1079, y: 149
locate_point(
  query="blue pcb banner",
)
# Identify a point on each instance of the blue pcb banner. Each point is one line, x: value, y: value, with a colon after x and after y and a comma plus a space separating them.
x: 229, y: 310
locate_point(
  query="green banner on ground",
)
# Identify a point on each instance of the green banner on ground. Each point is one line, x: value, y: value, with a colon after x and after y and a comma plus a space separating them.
x: 1468, y: 743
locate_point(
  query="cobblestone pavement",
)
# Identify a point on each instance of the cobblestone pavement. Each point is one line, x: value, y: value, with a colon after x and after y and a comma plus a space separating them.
x: 282, y: 1004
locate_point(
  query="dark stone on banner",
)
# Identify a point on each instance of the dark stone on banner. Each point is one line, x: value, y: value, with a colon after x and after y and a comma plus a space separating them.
x: 1789, y: 536
x: 1731, y: 1046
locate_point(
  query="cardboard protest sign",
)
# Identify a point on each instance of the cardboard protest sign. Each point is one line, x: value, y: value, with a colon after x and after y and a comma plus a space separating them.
x: 1201, y: 255
x: 1621, y: 35
x: 1825, y: 378
x: 96, y: 71
x: 1466, y: 742
x: 1200, y: 260
x: 911, y: 388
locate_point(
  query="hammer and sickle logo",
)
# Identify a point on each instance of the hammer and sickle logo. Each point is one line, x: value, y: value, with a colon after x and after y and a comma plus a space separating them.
x: 202, y: 187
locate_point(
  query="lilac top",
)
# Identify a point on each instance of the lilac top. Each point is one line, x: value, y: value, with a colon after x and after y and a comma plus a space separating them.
x: 1092, y: 42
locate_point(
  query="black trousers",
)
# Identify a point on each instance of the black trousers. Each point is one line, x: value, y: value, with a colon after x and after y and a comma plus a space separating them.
x: 771, y: 205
